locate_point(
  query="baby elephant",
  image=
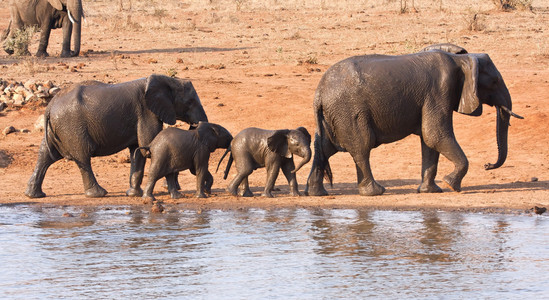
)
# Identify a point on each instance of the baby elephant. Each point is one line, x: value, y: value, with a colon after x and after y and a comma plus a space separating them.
x: 174, y: 150
x: 253, y: 148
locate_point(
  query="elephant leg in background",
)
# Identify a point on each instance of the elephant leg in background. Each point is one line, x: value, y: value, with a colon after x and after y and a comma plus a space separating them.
x: 273, y: 168
x: 287, y: 169
x: 429, y: 164
x: 324, y: 149
x: 67, y: 33
x: 208, y: 182
x: 45, y: 31
x: 244, y: 188
x: 136, y: 173
x: 173, y: 185
x: 45, y: 160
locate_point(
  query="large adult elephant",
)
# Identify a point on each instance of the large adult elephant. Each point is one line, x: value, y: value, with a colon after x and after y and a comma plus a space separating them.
x: 48, y: 15
x: 98, y: 119
x: 365, y: 101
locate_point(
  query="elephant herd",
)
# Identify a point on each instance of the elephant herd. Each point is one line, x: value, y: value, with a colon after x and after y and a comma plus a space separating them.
x: 360, y: 103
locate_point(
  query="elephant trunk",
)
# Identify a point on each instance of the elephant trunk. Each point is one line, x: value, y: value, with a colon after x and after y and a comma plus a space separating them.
x: 502, y: 128
x: 306, y: 159
x: 75, y: 12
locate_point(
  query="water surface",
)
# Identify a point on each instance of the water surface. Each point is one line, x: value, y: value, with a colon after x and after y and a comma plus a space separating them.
x: 126, y: 252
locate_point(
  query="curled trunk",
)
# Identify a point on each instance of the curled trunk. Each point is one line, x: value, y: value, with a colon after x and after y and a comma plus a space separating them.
x: 502, y: 128
x: 306, y: 159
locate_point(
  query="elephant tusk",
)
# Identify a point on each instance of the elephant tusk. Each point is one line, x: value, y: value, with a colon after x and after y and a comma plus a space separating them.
x: 70, y: 16
x: 511, y: 113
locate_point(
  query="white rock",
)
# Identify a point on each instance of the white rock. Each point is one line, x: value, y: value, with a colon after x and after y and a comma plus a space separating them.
x: 54, y: 90
x: 39, y: 124
x: 18, y: 99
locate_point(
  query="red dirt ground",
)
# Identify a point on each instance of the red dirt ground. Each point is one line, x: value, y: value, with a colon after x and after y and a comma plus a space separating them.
x: 259, y: 66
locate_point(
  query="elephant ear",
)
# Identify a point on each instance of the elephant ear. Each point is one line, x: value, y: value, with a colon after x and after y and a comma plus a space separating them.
x: 159, y: 98
x: 278, y: 143
x: 207, y: 135
x: 57, y: 4
x: 469, y: 102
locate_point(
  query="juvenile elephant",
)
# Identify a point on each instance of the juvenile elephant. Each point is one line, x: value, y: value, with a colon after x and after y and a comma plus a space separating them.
x: 98, y: 119
x: 253, y: 148
x: 365, y: 101
x: 48, y: 15
x: 174, y: 150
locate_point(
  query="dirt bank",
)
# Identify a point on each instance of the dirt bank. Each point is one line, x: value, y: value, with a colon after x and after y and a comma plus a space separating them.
x: 259, y: 66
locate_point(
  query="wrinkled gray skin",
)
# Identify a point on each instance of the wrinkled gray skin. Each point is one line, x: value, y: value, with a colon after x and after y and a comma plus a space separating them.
x: 174, y: 150
x: 98, y: 119
x: 47, y: 15
x: 365, y: 101
x: 254, y: 148
x: 450, y: 48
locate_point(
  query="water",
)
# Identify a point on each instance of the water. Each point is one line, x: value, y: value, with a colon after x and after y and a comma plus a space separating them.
x: 126, y: 252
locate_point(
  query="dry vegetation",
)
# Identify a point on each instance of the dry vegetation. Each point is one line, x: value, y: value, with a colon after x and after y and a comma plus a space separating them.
x: 257, y: 63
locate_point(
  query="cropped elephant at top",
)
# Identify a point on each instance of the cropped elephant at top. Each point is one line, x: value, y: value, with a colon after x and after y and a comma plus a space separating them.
x: 365, y: 101
x: 98, y: 119
x: 254, y: 148
x: 174, y: 150
x: 47, y: 15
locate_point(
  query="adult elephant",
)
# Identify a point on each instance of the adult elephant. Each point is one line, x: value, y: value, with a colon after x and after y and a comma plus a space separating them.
x: 365, y: 101
x: 47, y: 15
x: 98, y: 119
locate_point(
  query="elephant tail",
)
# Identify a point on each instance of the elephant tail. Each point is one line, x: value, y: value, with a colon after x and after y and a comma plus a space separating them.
x: 147, y: 152
x: 53, y: 138
x: 229, y: 163
x: 320, y: 158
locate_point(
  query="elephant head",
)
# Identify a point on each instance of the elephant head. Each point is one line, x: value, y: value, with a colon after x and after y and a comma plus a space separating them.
x: 75, y: 13
x: 286, y: 143
x: 173, y: 99
x: 482, y: 83
x: 213, y: 136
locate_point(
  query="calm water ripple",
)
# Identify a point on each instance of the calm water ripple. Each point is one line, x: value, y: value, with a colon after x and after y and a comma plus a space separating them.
x: 124, y: 252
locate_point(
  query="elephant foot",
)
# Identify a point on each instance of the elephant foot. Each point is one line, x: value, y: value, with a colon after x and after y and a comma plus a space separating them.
x: 267, y: 195
x: 134, y: 192
x: 95, y: 192
x: 315, y: 191
x: 176, y: 195
x: 295, y: 194
x: 371, y: 189
x: 247, y: 193
x: 452, y: 183
x: 148, y: 199
x: 200, y: 195
x: 429, y: 188
x: 42, y: 54
x: 33, y: 193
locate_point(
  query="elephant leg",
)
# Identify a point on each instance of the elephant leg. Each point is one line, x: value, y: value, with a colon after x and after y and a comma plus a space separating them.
x: 244, y: 188
x: 323, y: 151
x: 67, y: 32
x: 45, y: 160
x: 451, y: 150
x: 201, y: 174
x: 287, y: 169
x: 272, y: 173
x: 171, y: 180
x: 367, y: 186
x: 208, y: 182
x: 136, y: 173
x: 429, y: 164
x: 149, y: 187
x: 92, y: 189
x: 244, y: 169
x: 45, y: 31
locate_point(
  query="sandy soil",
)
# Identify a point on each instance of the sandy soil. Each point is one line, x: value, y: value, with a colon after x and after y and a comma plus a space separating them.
x: 259, y: 64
